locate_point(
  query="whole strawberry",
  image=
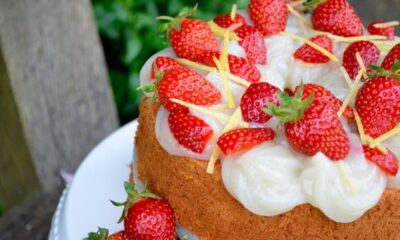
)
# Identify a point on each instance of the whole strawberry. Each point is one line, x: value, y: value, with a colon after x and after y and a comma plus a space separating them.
x: 335, y: 16
x: 391, y: 57
x: 190, y: 131
x: 162, y: 64
x: 311, y: 55
x: 243, y: 139
x: 387, y: 162
x: 187, y: 85
x: 369, y: 53
x: 254, y: 100
x: 253, y: 44
x: 244, y: 69
x: 311, y: 126
x: 190, y: 38
x: 388, y: 32
x: 269, y: 16
x: 146, y: 216
x: 226, y: 21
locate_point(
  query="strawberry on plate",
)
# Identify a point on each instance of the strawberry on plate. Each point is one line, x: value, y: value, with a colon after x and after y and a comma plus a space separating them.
x: 190, y: 131
x: 254, y: 100
x: 253, y: 44
x: 269, y: 16
x: 239, y: 140
x: 388, y: 32
x: 311, y: 125
x: 226, y: 21
x: 387, y: 162
x: 162, y: 64
x: 187, y: 85
x: 391, y: 58
x: 369, y: 53
x: 309, y: 54
x: 335, y: 16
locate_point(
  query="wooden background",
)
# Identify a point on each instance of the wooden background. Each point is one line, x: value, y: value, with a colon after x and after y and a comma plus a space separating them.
x: 56, y: 103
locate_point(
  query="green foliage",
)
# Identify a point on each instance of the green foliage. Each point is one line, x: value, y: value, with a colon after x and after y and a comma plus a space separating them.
x: 128, y: 31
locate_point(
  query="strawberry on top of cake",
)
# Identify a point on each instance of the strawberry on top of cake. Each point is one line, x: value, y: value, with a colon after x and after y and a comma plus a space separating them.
x: 300, y: 108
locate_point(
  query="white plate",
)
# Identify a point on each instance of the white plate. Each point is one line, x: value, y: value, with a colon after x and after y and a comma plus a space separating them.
x: 85, y: 204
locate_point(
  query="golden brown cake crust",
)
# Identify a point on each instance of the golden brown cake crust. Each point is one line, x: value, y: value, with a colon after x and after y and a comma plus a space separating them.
x: 202, y: 204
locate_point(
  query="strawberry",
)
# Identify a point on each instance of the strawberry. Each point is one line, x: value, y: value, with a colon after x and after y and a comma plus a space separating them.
x: 163, y: 63
x: 369, y: 53
x: 388, y: 32
x: 243, y: 139
x: 335, y: 16
x: 324, y: 95
x: 311, y: 55
x: 119, y: 236
x: 102, y: 234
x: 191, y: 132
x: 269, y: 16
x: 146, y: 216
x: 391, y: 57
x: 254, y: 100
x: 225, y: 21
x: 252, y: 41
x: 311, y: 125
x: 387, y: 162
x: 244, y: 69
x: 187, y: 85
x: 378, y: 104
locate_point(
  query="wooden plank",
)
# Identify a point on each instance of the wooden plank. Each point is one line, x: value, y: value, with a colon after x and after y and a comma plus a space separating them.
x: 58, y: 78
x: 18, y: 177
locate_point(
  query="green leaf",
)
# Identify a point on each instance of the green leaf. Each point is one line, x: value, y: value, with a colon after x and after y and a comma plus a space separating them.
x: 133, y: 47
x: 101, y: 234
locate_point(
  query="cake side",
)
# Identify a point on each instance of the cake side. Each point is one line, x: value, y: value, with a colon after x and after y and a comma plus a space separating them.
x: 202, y: 204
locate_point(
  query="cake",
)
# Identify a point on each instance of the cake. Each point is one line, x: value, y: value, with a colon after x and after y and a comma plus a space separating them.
x: 271, y: 124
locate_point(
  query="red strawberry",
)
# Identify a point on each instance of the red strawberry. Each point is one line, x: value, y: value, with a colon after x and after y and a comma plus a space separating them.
x: 337, y: 17
x: 378, y: 104
x: 387, y: 162
x: 225, y: 21
x: 324, y: 95
x: 254, y: 100
x: 242, y: 139
x: 163, y: 63
x: 389, y: 32
x: 311, y: 55
x: 391, y: 57
x: 243, y: 69
x: 146, y: 216
x: 368, y: 52
x: 119, y: 236
x: 269, y: 16
x: 253, y: 44
x: 187, y: 85
x: 191, y: 132
x: 311, y: 126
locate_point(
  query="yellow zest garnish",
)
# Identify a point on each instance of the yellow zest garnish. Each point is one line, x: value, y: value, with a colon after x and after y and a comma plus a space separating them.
x: 233, y: 11
x: 351, y: 94
x: 231, y: 124
x: 313, y: 45
x: 346, y: 77
x: 388, y: 135
x: 223, y: 58
x: 373, y: 144
x: 343, y: 173
x: 350, y: 39
x: 196, y: 65
x: 298, y: 15
x: 386, y: 46
x: 360, y: 128
x: 238, y: 80
x: 361, y: 64
x: 225, y: 84
x: 235, y: 26
x: 219, y: 107
x: 387, y: 24
x: 219, y: 31
x: 296, y: 3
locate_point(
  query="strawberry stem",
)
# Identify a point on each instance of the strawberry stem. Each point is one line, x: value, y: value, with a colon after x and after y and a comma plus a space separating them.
x: 381, y: 72
x: 291, y: 108
x: 101, y: 234
x: 310, y: 5
x: 175, y: 23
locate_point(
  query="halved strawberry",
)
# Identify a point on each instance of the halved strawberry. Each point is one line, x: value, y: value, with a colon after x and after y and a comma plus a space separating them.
x: 163, y: 63
x: 226, y: 21
x: 311, y: 55
x: 368, y: 51
x: 255, y: 99
x: 244, y: 69
x: 391, y: 57
x: 269, y: 16
x: 388, y: 32
x: 187, y: 85
x: 190, y: 131
x: 243, y: 139
x: 387, y: 162
x: 253, y: 44
x: 324, y: 95
x: 337, y: 17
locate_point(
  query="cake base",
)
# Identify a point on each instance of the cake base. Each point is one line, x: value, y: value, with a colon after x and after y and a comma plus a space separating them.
x: 202, y: 204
